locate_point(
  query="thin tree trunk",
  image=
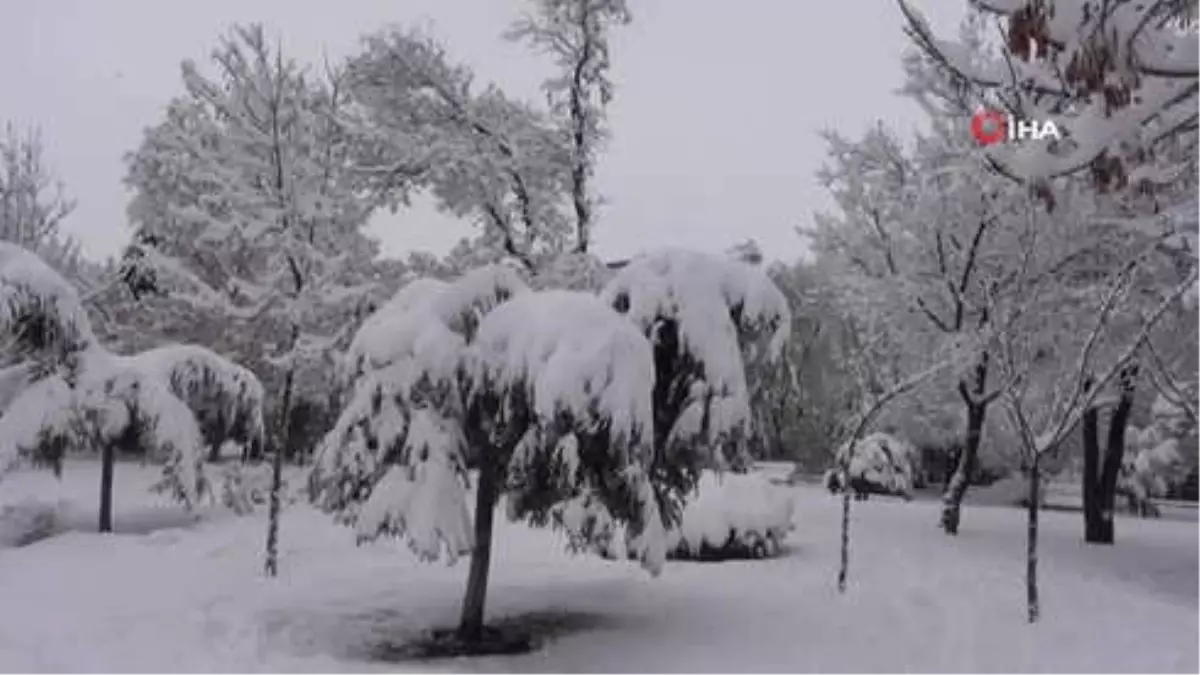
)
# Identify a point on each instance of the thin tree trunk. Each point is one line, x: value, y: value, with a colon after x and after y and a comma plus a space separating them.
x: 271, y: 565
x: 470, y: 628
x: 1031, y: 543
x: 956, y: 490
x: 844, y: 568
x: 107, y: 466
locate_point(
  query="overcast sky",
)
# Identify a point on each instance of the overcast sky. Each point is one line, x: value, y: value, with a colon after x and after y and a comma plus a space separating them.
x: 715, y: 123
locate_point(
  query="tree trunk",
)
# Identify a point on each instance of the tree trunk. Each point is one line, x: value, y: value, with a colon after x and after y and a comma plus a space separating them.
x: 1031, y: 544
x: 956, y: 489
x: 1114, y: 456
x: 470, y: 627
x: 272, y: 562
x: 107, y: 465
x: 1091, y: 477
x: 844, y: 567
x: 1098, y: 519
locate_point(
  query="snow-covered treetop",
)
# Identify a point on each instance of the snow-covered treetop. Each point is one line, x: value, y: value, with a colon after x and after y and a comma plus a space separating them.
x: 431, y: 321
x: 250, y: 209
x: 576, y: 358
x: 721, y: 306
x: 40, y: 312
x: 481, y: 154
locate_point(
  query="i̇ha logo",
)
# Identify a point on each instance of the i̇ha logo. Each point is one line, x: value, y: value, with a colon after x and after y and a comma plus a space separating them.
x: 991, y: 126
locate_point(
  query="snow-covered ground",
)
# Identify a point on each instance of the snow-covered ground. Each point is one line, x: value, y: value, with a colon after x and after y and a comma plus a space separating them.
x: 192, y: 597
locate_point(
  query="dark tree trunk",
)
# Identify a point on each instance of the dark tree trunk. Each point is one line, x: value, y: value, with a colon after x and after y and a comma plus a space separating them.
x: 844, y: 565
x: 968, y: 459
x: 1031, y: 544
x: 470, y: 627
x: 1091, y: 477
x: 1103, y: 474
x: 271, y: 566
x: 108, y: 453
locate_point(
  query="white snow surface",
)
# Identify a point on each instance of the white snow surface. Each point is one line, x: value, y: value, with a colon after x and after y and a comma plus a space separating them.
x: 175, y: 595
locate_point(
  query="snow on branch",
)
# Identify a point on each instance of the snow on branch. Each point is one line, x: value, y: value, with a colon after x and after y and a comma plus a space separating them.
x: 40, y: 312
x: 206, y: 381
x: 1115, y: 79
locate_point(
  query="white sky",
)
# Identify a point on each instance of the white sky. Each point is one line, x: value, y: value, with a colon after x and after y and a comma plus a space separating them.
x: 715, y: 123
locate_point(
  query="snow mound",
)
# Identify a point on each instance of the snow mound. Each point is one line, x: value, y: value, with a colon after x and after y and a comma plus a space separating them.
x: 28, y: 521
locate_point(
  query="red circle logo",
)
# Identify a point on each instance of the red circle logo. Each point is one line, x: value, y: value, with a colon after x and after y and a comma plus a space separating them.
x: 988, y: 126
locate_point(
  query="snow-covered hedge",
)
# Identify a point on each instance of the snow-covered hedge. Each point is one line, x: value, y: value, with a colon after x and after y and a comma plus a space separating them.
x: 729, y: 515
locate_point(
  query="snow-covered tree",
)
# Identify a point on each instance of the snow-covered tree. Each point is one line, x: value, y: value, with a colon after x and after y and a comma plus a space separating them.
x: 1065, y: 335
x: 104, y: 403
x: 546, y: 394
x: 77, y: 397
x: 34, y: 203
x: 919, y: 236
x: 575, y: 33
x: 480, y: 154
x: 250, y: 212
x: 708, y: 317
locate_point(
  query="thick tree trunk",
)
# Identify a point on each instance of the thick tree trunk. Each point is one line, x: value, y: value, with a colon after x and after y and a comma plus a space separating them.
x: 1103, y: 475
x: 108, y: 453
x: 271, y: 566
x: 1114, y: 457
x: 1031, y: 544
x: 470, y: 627
x: 1091, y: 477
x: 956, y: 489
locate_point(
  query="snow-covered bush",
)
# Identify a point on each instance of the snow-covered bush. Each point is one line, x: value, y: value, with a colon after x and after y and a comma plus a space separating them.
x: 1156, y: 460
x: 730, y: 515
x: 881, y: 463
x: 707, y: 317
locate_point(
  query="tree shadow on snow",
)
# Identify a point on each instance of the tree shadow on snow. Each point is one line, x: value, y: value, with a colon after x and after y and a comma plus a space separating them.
x: 387, y: 635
